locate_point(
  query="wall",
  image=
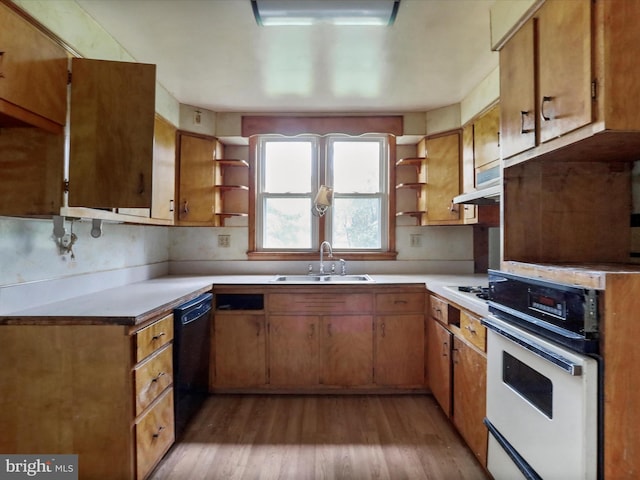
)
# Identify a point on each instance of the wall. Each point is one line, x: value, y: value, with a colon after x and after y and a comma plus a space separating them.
x: 30, y: 259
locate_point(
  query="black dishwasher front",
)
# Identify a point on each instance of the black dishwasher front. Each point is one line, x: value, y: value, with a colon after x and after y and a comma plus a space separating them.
x: 192, y: 341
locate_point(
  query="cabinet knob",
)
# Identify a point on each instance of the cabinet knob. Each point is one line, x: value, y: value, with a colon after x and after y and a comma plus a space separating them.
x: 545, y: 100
x: 157, y: 337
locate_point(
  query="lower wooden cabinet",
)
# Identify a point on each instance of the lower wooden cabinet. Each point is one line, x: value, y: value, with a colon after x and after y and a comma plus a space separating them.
x: 457, y: 371
x: 313, y: 350
x: 469, y: 396
x: 439, y: 341
x: 294, y: 350
x: 400, y: 347
x: 347, y: 350
x: 99, y: 391
x: 239, y: 349
x: 154, y: 434
x: 314, y: 339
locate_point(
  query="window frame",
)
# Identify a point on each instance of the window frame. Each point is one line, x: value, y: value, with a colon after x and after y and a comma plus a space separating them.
x: 255, y: 250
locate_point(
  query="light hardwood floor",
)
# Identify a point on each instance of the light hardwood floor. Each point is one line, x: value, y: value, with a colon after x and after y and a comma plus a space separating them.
x: 313, y: 437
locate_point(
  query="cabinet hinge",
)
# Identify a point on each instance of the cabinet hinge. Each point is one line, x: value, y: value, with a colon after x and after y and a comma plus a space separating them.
x: 68, y: 77
x: 65, y: 185
x: 593, y: 90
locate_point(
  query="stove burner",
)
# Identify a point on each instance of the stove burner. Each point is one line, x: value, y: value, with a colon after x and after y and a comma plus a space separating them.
x: 480, y: 292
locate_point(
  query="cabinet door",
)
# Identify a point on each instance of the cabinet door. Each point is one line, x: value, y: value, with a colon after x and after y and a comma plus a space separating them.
x: 33, y: 75
x: 564, y: 66
x: 240, y: 350
x: 347, y: 350
x: 111, y: 134
x: 196, y: 184
x: 439, y: 363
x: 468, y: 170
x: 400, y: 347
x: 32, y: 165
x: 293, y: 350
x: 164, y: 170
x: 486, y: 137
x: 469, y: 402
x: 517, y: 92
x: 443, y: 178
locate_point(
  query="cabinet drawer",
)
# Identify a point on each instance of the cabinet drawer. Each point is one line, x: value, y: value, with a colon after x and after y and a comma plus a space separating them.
x: 152, y: 377
x: 154, y: 434
x: 439, y: 309
x: 473, y: 330
x: 153, y: 337
x: 321, y: 303
x: 400, y: 302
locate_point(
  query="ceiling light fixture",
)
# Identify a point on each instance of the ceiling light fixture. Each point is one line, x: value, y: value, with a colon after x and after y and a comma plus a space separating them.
x: 333, y: 12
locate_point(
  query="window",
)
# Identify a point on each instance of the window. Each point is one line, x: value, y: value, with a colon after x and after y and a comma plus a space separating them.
x: 289, y: 171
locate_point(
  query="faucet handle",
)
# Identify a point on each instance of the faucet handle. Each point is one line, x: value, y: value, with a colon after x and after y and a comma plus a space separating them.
x: 343, y: 266
x: 310, y: 269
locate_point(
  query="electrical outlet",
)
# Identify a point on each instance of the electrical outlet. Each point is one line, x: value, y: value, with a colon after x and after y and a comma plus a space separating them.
x: 224, y: 241
x: 415, y: 240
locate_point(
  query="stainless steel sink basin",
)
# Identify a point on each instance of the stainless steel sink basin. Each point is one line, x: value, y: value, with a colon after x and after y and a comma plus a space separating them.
x: 326, y: 279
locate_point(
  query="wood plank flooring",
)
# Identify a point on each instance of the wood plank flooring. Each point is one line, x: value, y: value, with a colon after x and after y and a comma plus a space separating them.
x: 315, y: 437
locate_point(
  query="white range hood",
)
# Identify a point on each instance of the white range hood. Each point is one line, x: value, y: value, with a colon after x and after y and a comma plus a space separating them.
x: 483, y: 196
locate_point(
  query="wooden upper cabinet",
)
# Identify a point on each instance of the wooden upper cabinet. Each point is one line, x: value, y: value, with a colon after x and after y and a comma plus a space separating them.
x: 564, y: 50
x: 486, y: 137
x: 567, y: 87
x: 196, y: 191
x: 111, y: 134
x: 517, y: 92
x: 33, y: 75
x: 164, y: 170
x: 443, y: 153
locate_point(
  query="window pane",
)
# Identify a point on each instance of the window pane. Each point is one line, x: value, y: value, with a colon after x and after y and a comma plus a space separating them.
x: 287, y: 167
x: 356, y: 223
x: 356, y: 167
x: 287, y: 223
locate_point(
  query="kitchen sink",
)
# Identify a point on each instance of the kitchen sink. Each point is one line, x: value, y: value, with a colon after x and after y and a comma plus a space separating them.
x: 322, y: 279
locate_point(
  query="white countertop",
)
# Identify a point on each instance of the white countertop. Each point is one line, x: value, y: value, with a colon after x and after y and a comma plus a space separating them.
x: 136, y: 302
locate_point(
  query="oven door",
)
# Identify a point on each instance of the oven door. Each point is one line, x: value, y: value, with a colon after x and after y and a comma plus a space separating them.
x: 542, y: 407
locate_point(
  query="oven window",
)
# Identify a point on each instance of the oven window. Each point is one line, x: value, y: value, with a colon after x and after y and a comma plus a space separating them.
x: 533, y: 386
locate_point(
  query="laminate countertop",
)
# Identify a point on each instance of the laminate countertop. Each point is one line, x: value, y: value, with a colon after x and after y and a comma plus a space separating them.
x: 135, y: 303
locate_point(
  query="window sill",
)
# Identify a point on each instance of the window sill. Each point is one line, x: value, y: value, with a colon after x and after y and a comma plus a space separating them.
x: 314, y: 255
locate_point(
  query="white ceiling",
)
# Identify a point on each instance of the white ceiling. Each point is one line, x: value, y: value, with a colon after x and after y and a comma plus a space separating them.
x: 212, y: 54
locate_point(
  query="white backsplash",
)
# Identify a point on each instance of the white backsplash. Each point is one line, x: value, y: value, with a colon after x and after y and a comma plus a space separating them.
x: 32, y: 270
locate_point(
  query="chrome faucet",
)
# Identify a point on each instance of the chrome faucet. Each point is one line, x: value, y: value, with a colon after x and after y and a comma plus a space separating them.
x: 322, y: 245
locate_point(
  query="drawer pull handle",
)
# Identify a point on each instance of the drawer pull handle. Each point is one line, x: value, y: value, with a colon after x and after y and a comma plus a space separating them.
x: 312, y: 330
x: 157, y: 377
x: 157, y: 434
x: 445, y: 349
x: 141, y: 184
x: 400, y: 302
x: 383, y: 327
x: 471, y: 329
x: 157, y: 337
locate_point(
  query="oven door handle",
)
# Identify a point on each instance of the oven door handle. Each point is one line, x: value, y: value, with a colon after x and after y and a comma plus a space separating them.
x: 559, y: 361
